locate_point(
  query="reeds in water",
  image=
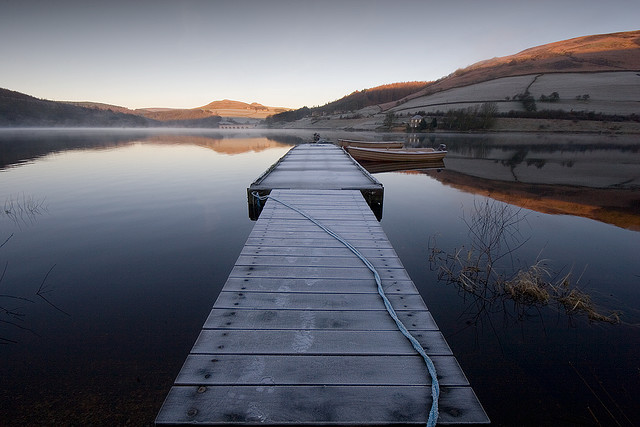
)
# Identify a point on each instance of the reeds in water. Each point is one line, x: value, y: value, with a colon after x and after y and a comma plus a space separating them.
x: 485, y: 267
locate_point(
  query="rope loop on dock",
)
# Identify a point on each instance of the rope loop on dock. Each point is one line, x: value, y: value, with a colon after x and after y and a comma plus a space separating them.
x: 435, y: 386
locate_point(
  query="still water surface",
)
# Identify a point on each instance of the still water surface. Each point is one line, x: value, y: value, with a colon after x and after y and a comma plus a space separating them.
x: 129, y: 237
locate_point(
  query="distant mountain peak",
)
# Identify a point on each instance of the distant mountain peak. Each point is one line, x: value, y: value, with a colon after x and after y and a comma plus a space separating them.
x: 226, y: 104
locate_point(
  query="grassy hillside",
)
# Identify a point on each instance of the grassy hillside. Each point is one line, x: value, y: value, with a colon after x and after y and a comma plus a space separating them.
x: 374, y: 96
x: 355, y: 101
x: 224, y: 108
x: 18, y: 109
x: 597, y: 53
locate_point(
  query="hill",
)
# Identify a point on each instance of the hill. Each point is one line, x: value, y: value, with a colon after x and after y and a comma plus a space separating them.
x: 355, y: 101
x: 18, y: 109
x: 594, y: 77
x: 229, y: 108
x: 224, y: 108
x: 101, y: 106
x: 596, y: 53
x: 374, y: 96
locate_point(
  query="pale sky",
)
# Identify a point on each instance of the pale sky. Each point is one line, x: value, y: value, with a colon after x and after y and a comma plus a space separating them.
x: 288, y: 53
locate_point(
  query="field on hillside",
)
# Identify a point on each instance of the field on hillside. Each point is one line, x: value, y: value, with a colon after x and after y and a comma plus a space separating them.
x: 608, y: 93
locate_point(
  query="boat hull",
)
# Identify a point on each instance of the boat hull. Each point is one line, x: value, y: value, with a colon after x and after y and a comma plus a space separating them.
x: 369, y: 144
x: 396, y: 155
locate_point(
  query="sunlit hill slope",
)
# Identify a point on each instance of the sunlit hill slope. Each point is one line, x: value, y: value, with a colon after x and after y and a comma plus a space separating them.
x: 596, y: 53
x: 224, y: 108
x: 598, y: 74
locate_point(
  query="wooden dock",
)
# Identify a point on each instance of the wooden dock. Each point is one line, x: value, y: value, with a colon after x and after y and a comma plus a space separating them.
x: 316, y: 166
x: 299, y: 334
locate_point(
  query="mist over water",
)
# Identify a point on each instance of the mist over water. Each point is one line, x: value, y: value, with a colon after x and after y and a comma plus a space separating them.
x: 130, y: 236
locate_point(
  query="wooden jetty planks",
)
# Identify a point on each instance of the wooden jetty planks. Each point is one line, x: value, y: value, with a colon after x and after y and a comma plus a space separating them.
x: 319, y: 167
x: 323, y: 285
x: 299, y: 335
x: 316, y: 370
x: 310, y: 301
x: 348, y: 320
x: 316, y: 342
x: 317, y: 405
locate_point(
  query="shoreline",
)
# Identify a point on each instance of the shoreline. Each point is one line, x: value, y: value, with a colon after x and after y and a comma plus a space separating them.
x: 501, y: 125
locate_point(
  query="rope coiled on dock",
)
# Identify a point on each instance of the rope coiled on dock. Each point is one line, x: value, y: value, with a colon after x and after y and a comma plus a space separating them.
x: 435, y: 386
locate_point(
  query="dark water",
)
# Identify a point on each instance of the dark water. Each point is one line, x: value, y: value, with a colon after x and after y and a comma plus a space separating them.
x: 129, y: 237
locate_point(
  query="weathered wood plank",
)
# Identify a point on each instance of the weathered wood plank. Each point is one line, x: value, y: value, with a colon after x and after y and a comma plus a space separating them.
x: 323, y: 285
x: 352, y: 238
x: 316, y: 272
x: 317, y: 195
x: 279, y: 225
x: 307, y: 261
x: 315, y: 251
x: 318, y: 233
x: 315, y: 203
x: 321, y: 243
x: 313, y: 180
x: 263, y: 370
x: 322, y: 217
x: 318, y: 342
x: 328, y: 405
x: 341, y: 206
x: 311, y: 301
x: 348, y: 320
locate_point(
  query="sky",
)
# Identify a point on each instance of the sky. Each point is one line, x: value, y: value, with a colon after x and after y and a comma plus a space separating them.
x: 284, y: 53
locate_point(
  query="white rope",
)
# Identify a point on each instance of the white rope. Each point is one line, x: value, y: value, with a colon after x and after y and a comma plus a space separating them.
x: 435, y: 386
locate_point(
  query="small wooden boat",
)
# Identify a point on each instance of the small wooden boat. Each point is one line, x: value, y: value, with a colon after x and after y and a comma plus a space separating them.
x: 369, y: 144
x: 396, y: 154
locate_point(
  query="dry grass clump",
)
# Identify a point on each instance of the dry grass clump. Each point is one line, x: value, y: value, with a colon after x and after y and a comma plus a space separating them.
x: 486, y: 269
x: 531, y: 287
x: 528, y: 287
x: 576, y: 301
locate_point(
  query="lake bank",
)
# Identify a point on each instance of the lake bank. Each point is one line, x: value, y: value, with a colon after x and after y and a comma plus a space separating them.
x: 502, y: 124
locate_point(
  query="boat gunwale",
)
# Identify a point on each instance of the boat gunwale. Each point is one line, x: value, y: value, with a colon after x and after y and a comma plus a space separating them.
x: 396, y: 154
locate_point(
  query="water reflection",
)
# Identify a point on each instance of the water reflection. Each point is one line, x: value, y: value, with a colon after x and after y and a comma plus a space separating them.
x: 589, y: 176
x: 22, y: 146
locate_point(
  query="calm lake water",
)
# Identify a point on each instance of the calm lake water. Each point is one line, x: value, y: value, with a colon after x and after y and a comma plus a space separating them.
x: 115, y: 245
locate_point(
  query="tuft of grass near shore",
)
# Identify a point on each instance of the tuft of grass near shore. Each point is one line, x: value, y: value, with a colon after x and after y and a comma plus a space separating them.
x: 485, y: 269
x: 532, y: 286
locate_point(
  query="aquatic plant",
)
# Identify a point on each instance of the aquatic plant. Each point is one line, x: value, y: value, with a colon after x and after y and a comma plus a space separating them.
x: 485, y: 268
x: 23, y: 209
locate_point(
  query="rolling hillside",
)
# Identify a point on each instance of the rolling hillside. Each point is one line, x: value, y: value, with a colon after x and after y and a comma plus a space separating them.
x: 224, y: 108
x: 18, y: 109
x: 588, y: 76
x: 597, y: 53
